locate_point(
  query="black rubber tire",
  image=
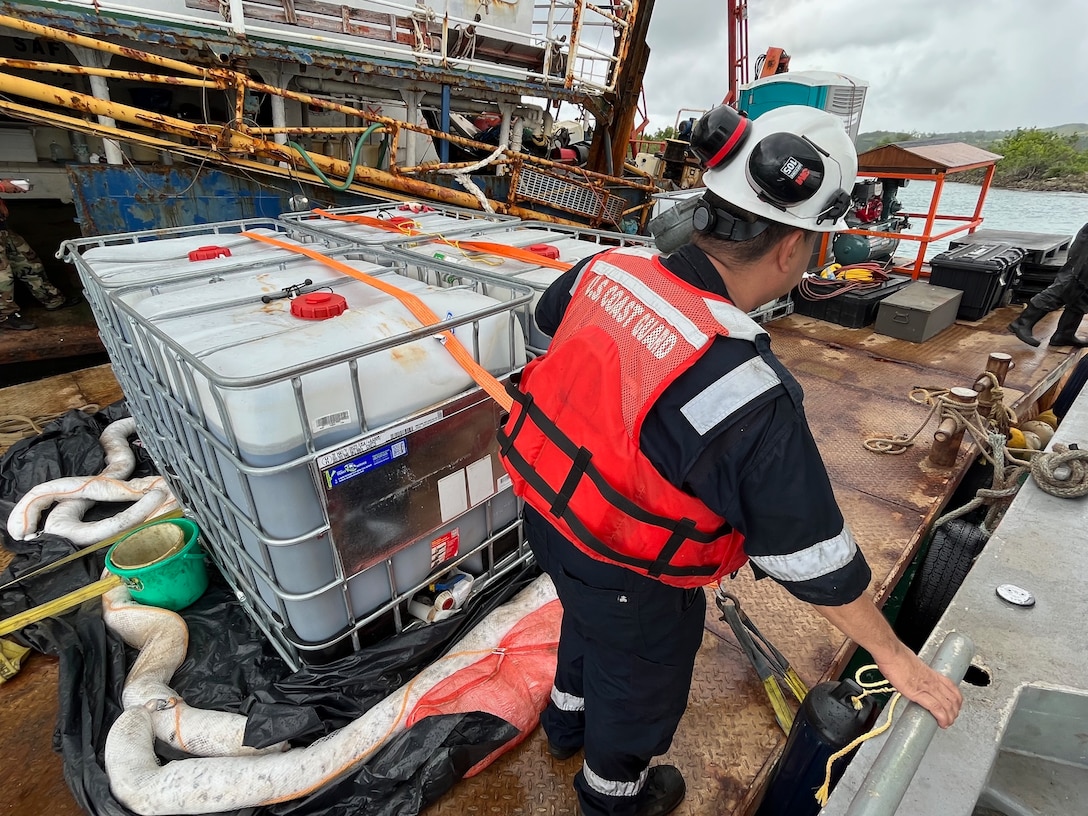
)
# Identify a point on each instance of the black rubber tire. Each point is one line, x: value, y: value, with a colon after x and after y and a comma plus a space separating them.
x: 953, y: 550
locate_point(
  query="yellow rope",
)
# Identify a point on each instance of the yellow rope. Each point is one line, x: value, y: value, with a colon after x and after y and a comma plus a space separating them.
x: 881, y: 686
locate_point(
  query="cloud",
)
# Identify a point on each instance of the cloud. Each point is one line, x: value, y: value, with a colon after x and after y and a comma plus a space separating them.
x: 932, y: 65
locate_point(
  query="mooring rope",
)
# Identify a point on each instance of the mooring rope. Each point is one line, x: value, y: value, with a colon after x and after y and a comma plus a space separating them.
x: 1062, y: 472
x: 937, y: 399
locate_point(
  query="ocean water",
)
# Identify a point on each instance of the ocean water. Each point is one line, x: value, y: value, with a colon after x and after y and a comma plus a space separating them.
x: 1020, y: 210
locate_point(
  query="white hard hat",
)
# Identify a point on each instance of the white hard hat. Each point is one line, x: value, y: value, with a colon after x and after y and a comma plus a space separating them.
x: 794, y: 165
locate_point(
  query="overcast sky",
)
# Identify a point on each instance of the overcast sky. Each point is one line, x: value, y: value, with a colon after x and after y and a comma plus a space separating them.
x: 931, y: 65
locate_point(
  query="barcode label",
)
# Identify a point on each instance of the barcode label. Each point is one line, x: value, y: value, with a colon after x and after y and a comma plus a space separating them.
x: 400, y: 448
x: 332, y: 420
x: 375, y: 440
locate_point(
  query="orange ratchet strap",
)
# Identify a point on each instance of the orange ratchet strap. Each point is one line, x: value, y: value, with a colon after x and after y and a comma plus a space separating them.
x: 487, y: 247
x: 417, y: 307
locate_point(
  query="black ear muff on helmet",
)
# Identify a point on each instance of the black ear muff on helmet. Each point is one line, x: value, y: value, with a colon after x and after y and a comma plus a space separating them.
x: 718, y: 135
x: 787, y: 169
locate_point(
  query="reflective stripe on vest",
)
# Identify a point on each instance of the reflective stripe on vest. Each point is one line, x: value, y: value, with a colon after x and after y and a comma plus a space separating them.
x: 571, y: 441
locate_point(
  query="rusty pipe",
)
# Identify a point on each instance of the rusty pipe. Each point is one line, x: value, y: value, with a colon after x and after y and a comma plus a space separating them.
x: 433, y: 167
x: 100, y: 45
x: 575, y: 35
x: 111, y: 73
x: 74, y: 100
x: 310, y: 131
x: 621, y: 23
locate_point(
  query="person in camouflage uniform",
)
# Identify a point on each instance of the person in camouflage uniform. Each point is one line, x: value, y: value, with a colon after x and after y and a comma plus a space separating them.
x: 19, y: 261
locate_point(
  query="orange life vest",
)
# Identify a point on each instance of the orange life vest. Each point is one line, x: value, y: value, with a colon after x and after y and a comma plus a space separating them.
x: 571, y: 442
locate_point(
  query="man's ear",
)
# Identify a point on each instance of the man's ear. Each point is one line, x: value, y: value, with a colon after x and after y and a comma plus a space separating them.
x: 796, y: 242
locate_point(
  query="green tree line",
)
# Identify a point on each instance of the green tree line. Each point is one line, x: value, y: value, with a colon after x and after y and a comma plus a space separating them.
x: 1032, y: 157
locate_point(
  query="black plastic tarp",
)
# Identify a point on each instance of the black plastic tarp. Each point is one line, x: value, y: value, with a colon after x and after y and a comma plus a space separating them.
x: 230, y: 665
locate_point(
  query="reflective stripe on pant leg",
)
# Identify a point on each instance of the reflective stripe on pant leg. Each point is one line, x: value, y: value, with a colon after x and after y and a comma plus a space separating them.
x: 564, y: 718
x: 608, y: 787
x: 567, y: 702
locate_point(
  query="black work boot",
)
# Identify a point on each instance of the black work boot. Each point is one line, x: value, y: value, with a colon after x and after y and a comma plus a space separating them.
x: 1023, y: 325
x: 1065, y: 334
x: 16, y: 322
x: 562, y: 753
x: 663, y: 792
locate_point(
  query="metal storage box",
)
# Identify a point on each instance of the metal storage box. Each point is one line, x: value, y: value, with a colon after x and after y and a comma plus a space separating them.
x: 918, y: 312
x: 276, y: 433
x: 983, y: 272
x: 850, y: 309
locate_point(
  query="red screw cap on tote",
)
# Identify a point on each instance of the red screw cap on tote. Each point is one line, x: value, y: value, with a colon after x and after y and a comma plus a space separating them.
x: 545, y: 250
x: 209, y: 253
x: 318, y: 305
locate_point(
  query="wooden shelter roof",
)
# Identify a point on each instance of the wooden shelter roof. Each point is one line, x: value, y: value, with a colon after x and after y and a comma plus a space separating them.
x: 924, y: 156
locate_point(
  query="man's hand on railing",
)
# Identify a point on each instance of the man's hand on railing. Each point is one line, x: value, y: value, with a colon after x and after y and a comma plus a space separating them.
x: 921, y: 684
x: 864, y: 623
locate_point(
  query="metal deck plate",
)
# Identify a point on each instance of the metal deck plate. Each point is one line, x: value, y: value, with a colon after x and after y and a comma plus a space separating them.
x: 856, y: 384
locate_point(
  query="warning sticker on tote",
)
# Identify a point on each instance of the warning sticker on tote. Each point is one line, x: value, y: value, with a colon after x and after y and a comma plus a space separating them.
x: 445, y: 547
x: 345, y: 471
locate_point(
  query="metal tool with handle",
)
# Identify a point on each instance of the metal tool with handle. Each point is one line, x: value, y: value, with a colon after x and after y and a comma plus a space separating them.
x: 770, y: 664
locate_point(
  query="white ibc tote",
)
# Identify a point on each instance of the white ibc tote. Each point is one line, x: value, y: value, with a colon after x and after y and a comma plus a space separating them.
x: 257, y: 370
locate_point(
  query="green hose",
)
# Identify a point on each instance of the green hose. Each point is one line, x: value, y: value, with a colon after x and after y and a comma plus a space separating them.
x: 381, y: 150
x: 354, y: 160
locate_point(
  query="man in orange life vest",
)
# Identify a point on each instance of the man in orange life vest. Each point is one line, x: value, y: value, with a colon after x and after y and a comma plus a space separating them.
x: 659, y: 445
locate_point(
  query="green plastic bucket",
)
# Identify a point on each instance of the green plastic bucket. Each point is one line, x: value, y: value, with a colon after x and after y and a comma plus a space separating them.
x: 161, y: 563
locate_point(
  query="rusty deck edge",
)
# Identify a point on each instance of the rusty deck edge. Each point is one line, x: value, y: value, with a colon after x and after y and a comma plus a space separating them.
x: 848, y: 648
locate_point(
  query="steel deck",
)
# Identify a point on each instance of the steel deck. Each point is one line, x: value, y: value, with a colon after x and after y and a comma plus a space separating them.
x: 856, y: 384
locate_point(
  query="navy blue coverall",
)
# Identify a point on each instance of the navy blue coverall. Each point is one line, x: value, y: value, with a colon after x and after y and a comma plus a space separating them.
x: 1070, y: 286
x: 628, y: 643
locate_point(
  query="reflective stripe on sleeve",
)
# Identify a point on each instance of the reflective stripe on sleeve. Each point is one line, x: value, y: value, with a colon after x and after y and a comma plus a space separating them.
x: 609, y: 787
x: 811, y: 562
x: 567, y: 702
x: 728, y: 394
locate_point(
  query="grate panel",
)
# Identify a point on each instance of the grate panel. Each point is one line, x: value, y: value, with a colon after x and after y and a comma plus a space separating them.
x: 569, y: 195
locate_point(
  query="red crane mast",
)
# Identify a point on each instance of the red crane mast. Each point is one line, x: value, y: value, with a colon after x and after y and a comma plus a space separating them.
x: 738, y: 49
